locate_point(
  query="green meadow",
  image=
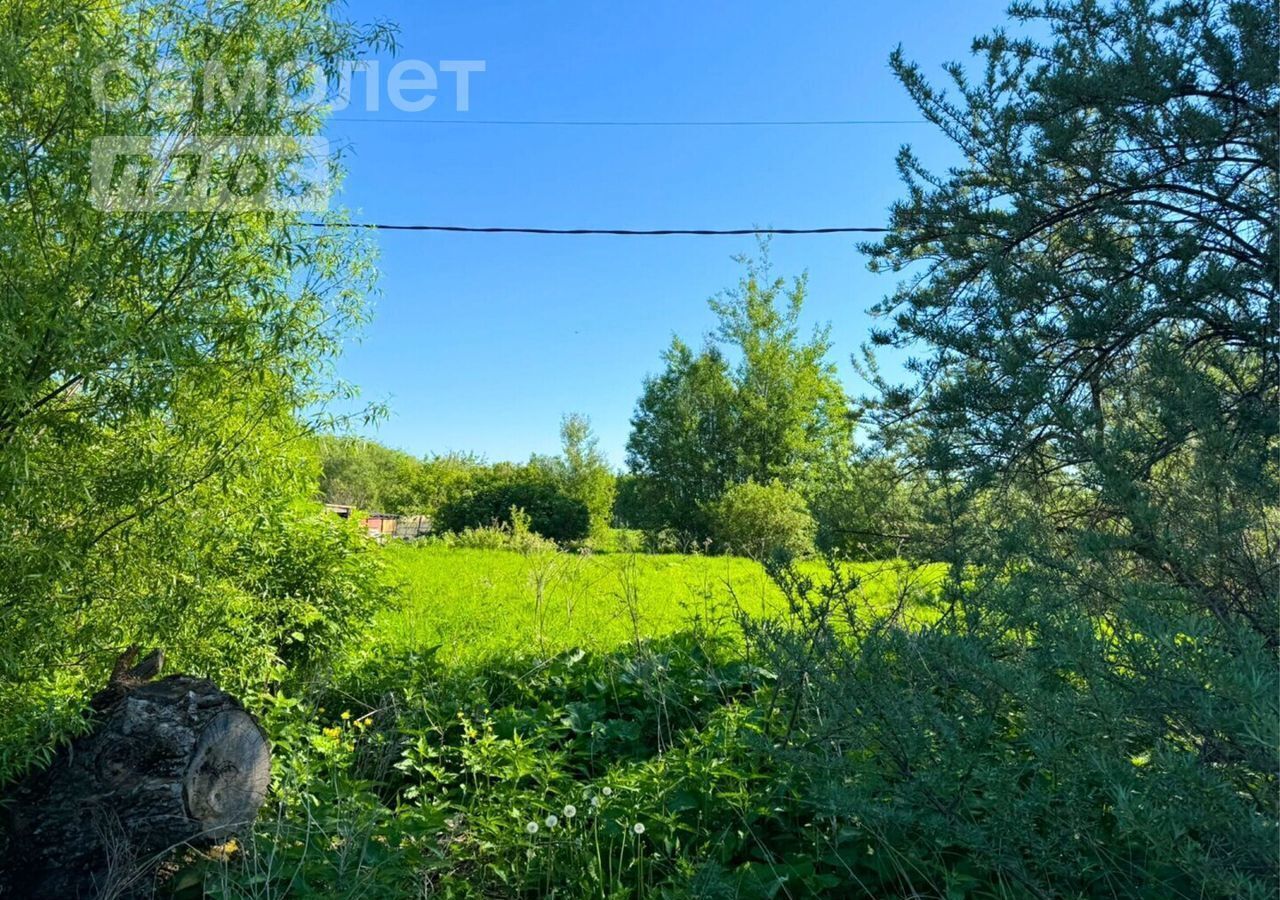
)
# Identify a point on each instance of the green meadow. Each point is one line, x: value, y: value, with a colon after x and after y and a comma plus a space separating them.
x: 475, y: 604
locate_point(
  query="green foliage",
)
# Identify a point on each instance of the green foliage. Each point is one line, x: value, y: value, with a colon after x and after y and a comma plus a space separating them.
x: 582, y: 473
x: 706, y: 423
x: 869, y: 508
x: 478, y: 602
x: 518, y: 536
x: 551, y: 513
x: 157, y: 368
x: 1102, y: 300
x: 681, y: 449
x: 308, y: 582
x: 634, y: 774
x: 587, y: 476
x: 325, y: 831
x: 1086, y: 705
x: 433, y: 777
x: 792, y: 416
x: 1095, y: 712
x: 364, y: 474
x: 425, y: 760
x: 762, y: 521
x: 976, y: 765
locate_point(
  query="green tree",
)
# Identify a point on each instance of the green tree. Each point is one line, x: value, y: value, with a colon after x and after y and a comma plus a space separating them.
x: 682, y: 449
x: 547, y: 511
x: 1101, y: 296
x: 585, y: 473
x: 1091, y: 295
x: 443, y: 478
x: 155, y: 365
x: 763, y: 521
x: 868, y: 507
x: 367, y: 475
x: 792, y: 419
x: 777, y: 412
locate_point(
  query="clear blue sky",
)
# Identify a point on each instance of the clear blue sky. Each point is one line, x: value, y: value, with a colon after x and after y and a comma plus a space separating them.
x: 482, y: 342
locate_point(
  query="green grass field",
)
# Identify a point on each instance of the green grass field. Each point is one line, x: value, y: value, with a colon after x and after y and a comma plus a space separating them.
x: 474, y: 604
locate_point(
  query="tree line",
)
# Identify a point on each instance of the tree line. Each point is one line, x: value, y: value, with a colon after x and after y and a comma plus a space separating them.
x: 752, y: 427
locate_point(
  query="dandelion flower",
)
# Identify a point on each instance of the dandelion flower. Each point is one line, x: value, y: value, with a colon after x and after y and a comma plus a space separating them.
x: 608, y: 792
x: 551, y: 820
x: 595, y: 801
x: 638, y: 828
x: 532, y: 828
x: 570, y: 811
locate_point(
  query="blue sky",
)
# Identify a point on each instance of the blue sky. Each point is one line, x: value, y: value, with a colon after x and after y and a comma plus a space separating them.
x: 482, y: 342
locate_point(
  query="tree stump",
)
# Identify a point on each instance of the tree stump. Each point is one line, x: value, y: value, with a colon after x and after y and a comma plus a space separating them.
x: 169, y: 763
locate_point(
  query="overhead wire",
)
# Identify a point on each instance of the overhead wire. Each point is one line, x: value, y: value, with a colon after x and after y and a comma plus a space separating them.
x: 620, y: 232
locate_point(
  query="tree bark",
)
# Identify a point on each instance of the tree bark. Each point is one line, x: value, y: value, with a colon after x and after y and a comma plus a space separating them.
x: 169, y: 764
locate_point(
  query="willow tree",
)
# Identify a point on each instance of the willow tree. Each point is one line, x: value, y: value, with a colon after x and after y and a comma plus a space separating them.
x: 158, y: 360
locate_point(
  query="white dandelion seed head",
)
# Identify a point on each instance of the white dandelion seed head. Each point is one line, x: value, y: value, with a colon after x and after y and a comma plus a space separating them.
x: 595, y: 801
x: 532, y: 828
x: 638, y: 828
x: 608, y: 792
x: 551, y: 820
x: 570, y: 811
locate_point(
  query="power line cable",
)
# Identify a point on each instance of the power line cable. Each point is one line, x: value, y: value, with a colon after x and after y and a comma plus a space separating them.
x: 621, y: 232
x: 637, y: 123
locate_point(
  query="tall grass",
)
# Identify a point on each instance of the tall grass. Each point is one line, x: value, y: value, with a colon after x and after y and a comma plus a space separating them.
x: 478, y: 603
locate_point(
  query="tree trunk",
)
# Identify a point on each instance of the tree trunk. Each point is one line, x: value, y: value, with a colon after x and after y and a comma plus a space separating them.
x: 170, y: 763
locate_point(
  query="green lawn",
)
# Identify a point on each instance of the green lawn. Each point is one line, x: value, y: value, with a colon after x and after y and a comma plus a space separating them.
x: 474, y: 604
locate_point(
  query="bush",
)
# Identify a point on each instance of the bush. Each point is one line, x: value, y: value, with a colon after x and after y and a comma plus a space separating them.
x: 762, y: 520
x: 312, y: 580
x: 989, y: 761
x: 551, y: 513
x: 518, y: 536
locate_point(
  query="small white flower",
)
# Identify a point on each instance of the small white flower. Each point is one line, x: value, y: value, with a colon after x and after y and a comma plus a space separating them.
x: 551, y: 820
x: 570, y: 811
x: 638, y: 828
x: 595, y: 801
x: 608, y: 792
x: 532, y: 828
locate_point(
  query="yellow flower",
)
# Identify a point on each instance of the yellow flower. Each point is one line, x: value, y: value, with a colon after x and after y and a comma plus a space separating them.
x: 333, y: 733
x: 345, y: 715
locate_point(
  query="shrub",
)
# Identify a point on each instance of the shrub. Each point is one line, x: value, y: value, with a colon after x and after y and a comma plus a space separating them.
x: 299, y: 585
x: 518, y: 536
x: 551, y: 513
x: 988, y: 761
x: 762, y: 520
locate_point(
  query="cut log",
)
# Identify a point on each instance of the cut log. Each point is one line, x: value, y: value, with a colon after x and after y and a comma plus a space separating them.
x: 169, y: 764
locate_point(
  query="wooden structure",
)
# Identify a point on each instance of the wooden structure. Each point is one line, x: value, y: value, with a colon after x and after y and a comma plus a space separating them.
x: 383, y: 526
x: 380, y: 525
